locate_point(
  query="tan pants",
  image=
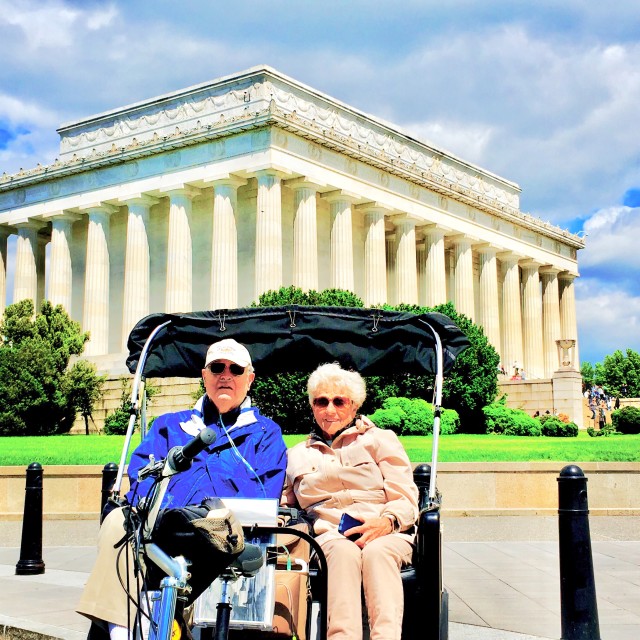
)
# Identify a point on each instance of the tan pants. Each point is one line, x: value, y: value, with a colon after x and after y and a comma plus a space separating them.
x: 377, y: 568
x: 104, y: 597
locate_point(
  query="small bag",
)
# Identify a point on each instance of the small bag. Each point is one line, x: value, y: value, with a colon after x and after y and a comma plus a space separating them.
x: 208, y: 535
x: 292, y: 585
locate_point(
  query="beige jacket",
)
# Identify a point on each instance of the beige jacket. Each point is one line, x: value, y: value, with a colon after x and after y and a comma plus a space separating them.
x: 365, y: 473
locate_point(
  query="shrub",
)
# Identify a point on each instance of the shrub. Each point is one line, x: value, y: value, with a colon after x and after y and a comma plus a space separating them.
x: 117, y: 423
x: 391, y: 419
x: 553, y: 426
x: 510, y: 422
x: 449, y: 421
x: 608, y: 430
x: 414, y: 417
x: 626, y: 420
x: 419, y: 420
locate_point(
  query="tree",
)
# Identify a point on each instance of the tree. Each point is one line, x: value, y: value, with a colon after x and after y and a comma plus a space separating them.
x: 35, y: 382
x: 84, y: 389
x: 283, y: 397
x: 469, y: 386
x: 588, y: 375
x: 621, y: 373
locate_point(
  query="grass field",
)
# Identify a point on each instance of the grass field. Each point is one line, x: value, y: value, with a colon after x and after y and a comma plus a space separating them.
x: 101, y: 449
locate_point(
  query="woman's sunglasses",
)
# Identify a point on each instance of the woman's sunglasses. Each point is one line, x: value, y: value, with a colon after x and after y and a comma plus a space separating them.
x: 219, y: 367
x: 338, y: 402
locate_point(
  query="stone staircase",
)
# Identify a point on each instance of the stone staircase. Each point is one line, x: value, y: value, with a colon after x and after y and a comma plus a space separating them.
x: 175, y: 394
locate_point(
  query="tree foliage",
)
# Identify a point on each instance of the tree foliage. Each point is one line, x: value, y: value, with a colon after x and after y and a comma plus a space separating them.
x: 37, y: 393
x: 84, y: 389
x: 618, y: 374
x: 471, y: 384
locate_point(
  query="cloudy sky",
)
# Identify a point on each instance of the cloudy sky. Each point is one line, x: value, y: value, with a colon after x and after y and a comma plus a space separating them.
x: 545, y: 93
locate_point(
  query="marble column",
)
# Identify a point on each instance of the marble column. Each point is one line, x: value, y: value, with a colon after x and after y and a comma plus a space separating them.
x: 60, y: 274
x: 463, y: 297
x: 511, y: 312
x: 41, y: 267
x: 568, y: 321
x: 268, y: 266
x: 224, y: 249
x: 489, y: 310
x: 26, y: 274
x: 341, y: 241
x: 305, y: 236
x: 533, y: 355
x: 95, y: 316
x: 5, y: 232
x: 406, y: 266
x: 136, y: 265
x: 179, y: 287
x: 391, y: 256
x: 435, y: 269
x: 375, y: 261
x: 550, y: 319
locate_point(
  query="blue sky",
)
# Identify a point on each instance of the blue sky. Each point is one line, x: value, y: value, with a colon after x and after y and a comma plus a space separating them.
x: 543, y: 93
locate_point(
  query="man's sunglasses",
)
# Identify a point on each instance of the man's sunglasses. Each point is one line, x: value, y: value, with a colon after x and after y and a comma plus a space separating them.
x: 338, y: 402
x: 219, y: 367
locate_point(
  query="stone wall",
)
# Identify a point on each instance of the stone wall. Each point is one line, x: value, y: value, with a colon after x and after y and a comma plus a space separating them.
x: 468, y: 489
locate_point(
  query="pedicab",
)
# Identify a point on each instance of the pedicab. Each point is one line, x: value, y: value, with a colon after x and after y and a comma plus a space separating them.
x: 282, y: 340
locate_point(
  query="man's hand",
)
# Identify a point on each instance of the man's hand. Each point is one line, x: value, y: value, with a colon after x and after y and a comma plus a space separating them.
x: 370, y: 530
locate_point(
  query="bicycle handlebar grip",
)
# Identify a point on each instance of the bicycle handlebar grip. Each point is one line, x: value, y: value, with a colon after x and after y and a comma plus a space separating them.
x: 180, y: 458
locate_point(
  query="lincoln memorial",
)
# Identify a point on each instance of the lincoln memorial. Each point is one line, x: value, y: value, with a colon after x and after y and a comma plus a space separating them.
x: 207, y: 197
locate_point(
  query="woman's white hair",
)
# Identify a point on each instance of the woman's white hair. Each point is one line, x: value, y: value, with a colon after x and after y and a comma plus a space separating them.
x: 333, y: 374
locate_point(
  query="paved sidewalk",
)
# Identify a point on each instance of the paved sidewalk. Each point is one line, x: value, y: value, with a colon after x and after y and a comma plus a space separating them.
x: 501, y: 574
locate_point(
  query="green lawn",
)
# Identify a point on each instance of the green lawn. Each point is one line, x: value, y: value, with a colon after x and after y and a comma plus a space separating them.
x: 100, y: 449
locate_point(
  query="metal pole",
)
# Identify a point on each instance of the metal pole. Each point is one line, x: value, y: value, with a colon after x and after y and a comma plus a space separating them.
x: 579, y: 609
x: 30, y: 562
x: 109, y: 473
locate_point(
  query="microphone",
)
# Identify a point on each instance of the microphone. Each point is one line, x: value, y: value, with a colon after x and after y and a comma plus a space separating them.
x: 249, y: 562
x: 180, y: 458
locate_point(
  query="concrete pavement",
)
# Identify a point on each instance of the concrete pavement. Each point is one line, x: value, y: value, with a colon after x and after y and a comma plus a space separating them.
x: 501, y: 574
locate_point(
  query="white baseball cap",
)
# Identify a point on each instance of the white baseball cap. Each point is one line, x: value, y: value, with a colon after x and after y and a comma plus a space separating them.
x: 228, y: 349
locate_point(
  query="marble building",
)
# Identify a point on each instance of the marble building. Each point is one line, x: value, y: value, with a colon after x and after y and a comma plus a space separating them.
x: 207, y: 197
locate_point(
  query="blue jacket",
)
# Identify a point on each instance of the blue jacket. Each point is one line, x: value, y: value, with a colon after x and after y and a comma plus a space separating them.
x: 248, y: 458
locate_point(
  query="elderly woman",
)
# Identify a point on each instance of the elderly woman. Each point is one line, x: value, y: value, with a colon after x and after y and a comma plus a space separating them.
x: 349, y: 466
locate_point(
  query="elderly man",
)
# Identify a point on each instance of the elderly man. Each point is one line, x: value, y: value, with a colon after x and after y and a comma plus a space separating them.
x: 247, y: 459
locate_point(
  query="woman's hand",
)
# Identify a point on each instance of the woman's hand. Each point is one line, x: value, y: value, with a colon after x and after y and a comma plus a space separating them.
x: 370, y: 530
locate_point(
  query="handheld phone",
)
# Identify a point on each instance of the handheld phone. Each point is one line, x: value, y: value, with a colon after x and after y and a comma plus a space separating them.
x: 348, y: 522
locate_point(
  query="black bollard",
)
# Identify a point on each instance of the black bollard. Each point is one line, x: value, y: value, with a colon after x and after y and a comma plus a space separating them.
x: 30, y: 562
x: 109, y: 473
x: 422, y: 478
x: 579, y: 609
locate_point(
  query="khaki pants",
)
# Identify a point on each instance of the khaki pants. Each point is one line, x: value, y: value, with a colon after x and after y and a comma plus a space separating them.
x: 377, y: 569
x: 104, y: 597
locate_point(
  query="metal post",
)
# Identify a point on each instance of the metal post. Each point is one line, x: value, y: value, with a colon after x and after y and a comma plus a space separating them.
x: 109, y: 473
x: 30, y: 562
x: 579, y: 609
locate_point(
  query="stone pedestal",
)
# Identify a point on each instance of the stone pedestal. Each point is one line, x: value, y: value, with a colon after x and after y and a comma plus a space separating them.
x: 567, y: 394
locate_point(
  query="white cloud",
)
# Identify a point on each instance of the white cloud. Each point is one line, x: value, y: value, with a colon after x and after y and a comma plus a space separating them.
x: 14, y: 110
x: 609, y: 319
x: 613, y: 239
x: 53, y: 24
x: 464, y: 139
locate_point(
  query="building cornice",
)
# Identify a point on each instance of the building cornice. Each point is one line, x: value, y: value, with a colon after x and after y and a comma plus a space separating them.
x: 260, y: 98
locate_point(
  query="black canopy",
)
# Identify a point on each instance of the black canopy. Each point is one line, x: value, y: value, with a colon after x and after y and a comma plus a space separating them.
x: 299, y: 338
